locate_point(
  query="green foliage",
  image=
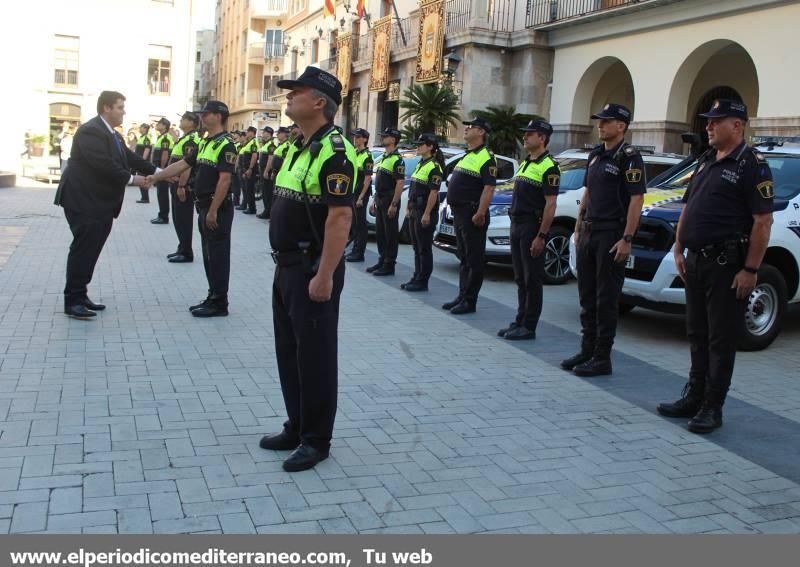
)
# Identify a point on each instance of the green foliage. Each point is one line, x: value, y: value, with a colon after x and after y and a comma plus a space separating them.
x: 506, y: 137
x: 429, y: 108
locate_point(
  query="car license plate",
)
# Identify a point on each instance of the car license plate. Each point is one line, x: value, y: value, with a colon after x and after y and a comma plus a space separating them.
x: 629, y: 263
x: 447, y: 229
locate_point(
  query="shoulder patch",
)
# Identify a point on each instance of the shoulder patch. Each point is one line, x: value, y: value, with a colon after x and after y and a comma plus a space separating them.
x: 554, y: 180
x: 337, y: 184
x: 766, y: 189
x: 230, y: 157
x: 633, y: 175
x: 401, y: 168
x: 759, y: 156
x: 436, y: 179
x: 338, y: 143
x: 493, y: 170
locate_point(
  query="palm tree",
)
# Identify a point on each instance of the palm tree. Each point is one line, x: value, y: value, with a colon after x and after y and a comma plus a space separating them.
x: 505, y: 123
x: 429, y: 107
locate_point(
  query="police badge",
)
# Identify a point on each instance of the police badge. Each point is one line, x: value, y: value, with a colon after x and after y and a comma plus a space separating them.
x: 337, y: 184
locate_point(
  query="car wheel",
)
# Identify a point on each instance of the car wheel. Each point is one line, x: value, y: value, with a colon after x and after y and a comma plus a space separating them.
x: 556, y: 256
x: 765, y: 310
x: 405, y: 232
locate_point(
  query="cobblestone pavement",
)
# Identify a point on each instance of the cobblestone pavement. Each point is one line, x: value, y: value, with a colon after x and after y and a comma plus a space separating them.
x: 147, y: 420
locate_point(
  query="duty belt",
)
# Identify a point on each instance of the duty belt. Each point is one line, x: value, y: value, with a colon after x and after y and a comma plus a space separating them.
x: 287, y: 259
x: 523, y: 217
x: 709, y: 251
x: 592, y: 225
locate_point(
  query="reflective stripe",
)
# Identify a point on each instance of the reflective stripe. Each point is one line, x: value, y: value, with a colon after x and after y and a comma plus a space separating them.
x: 422, y: 172
x: 177, y: 149
x: 473, y: 162
x: 291, y: 178
x: 533, y: 171
x: 387, y: 163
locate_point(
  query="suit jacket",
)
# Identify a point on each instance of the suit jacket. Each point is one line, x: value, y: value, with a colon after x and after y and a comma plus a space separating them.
x: 97, y: 172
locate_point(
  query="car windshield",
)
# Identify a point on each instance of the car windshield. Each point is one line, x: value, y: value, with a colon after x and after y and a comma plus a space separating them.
x: 573, y: 171
x: 785, y: 173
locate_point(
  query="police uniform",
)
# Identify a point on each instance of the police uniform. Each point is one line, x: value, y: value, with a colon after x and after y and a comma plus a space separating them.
x: 142, y: 144
x: 236, y: 180
x: 183, y: 211
x: 214, y: 155
x: 715, y: 228
x: 267, y: 185
x: 317, y: 174
x: 248, y: 183
x: 427, y: 178
x: 164, y: 145
x: 364, y: 165
x: 536, y: 179
x: 474, y: 171
x: 613, y: 176
x: 391, y: 169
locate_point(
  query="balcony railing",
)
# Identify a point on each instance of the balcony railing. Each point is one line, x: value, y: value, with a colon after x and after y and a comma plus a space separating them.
x: 273, y: 50
x: 544, y: 12
x: 158, y: 87
x: 497, y: 15
x: 268, y: 8
x: 255, y: 51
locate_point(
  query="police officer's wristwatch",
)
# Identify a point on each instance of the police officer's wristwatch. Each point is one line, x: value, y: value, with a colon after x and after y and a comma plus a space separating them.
x: 750, y: 270
x: 543, y: 235
x: 628, y: 238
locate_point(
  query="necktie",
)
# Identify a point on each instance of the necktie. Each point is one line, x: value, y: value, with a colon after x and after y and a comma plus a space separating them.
x: 119, y: 144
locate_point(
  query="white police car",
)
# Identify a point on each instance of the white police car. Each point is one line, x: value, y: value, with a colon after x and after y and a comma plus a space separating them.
x: 652, y: 281
x: 573, y: 168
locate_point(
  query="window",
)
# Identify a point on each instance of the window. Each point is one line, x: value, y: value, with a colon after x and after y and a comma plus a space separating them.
x: 273, y: 43
x: 196, y: 86
x: 315, y: 50
x: 66, y: 61
x: 159, y: 63
x: 197, y: 57
x: 244, y: 41
x: 241, y: 84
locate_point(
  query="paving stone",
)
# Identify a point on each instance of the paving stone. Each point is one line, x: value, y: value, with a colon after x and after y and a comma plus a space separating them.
x: 29, y: 517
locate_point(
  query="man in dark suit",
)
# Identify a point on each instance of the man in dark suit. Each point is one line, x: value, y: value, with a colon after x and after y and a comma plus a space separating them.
x: 91, y: 192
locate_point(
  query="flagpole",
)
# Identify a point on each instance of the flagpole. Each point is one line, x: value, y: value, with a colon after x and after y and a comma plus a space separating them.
x: 400, y: 27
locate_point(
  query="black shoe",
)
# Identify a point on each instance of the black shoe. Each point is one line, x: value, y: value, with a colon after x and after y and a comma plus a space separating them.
x: 585, y: 355
x: 159, y: 220
x: 262, y: 216
x: 143, y: 201
x: 181, y: 259
x: 240, y: 207
x: 89, y: 304
x: 203, y: 303
x: 303, y: 458
x: 385, y: 270
x: 409, y: 282
x: 687, y: 406
x: 597, y: 366
x: 511, y: 327
x: 283, y: 441
x: 354, y: 258
x: 450, y: 304
x: 521, y: 333
x: 249, y: 211
x: 79, y: 312
x: 707, y: 419
x: 377, y: 266
x: 173, y: 255
x: 417, y: 286
x: 211, y: 309
x: 463, y: 308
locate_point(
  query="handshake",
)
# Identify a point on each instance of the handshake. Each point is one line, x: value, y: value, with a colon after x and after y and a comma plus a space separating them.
x: 142, y: 181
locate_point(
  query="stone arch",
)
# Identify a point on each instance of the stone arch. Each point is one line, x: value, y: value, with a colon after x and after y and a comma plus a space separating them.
x: 606, y: 80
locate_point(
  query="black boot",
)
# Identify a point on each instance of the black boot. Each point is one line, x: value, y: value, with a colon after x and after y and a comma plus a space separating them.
x: 450, y: 304
x: 386, y: 270
x: 418, y: 285
x: 585, y: 355
x: 599, y: 365
x: 511, y: 327
x: 202, y: 303
x: 688, y: 405
x: 377, y: 266
x: 707, y: 419
x: 409, y: 282
x: 215, y: 307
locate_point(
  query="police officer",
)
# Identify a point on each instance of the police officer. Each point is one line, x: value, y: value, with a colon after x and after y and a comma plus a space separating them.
x: 364, y: 163
x: 236, y: 183
x: 390, y: 174
x: 248, y: 158
x: 268, y: 145
x: 215, y: 161
x: 276, y: 159
x: 142, y: 149
x: 725, y: 226
x: 182, y: 192
x: 469, y: 194
x: 608, y: 217
x: 311, y: 215
x: 423, y: 209
x: 533, y: 206
x: 161, y: 154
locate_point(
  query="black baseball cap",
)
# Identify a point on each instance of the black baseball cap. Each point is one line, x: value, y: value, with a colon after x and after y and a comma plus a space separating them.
x: 164, y: 122
x: 284, y: 130
x: 480, y: 123
x: 725, y: 107
x: 268, y: 130
x: 361, y: 133
x: 215, y: 106
x: 613, y: 111
x: 294, y: 126
x: 427, y: 138
x: 252, y: 129
x: 394, y: 132
x: 539, y: 126
x: 144, y: 125
x: 189, y: 115
x: 316, y: 78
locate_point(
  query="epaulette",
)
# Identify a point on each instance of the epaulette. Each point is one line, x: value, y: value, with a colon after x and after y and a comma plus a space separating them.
x: 337, y: 142
x: 630, y: 151
x: 759, y: 156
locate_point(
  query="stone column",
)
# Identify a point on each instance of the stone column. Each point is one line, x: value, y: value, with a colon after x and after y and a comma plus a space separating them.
x: 775, y: 126
x: 570, y: 136
x: 665, y: 136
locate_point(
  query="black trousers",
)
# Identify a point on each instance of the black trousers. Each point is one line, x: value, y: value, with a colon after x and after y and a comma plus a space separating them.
x: 528, y: 273
x: 422, y: 240
x: 162, y: 191
x: 387, y: 230
x: 183, y: 219
x: 359, y: 230
x: 88, y: 237
x: 471, y: 251
x: 236, y: 187
x: 713, y: 324
x: 145, y: 194
x: 600, y: 281
x: 306, y: 342
x: 217, y: 248
x: 249, y: 192
x: 267, y: 188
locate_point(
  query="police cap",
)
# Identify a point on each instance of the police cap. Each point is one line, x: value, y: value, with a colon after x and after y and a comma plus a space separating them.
x: 268, y: 130
x: 613, y: 111
x: 164, y: 122
x: 393, y: 132
x: 539, y: 126
x: 284, y: 130
x: 725, y: 107
x: 215, y: 106
x: 318, y: 79
x: 189, y: 115
x: 429, y: 139
x: 252, y: 129
x: 361, y: 133
x: 479, y: 123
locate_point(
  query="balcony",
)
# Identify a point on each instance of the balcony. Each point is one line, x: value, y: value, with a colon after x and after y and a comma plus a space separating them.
x: 546, y: 13
x: 260, y: 97
x: 268, y: 8
x: 255, y: 53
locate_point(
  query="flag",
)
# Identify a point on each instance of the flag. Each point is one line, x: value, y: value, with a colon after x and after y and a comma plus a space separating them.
x: 330, y: 8
x: 360, y: 9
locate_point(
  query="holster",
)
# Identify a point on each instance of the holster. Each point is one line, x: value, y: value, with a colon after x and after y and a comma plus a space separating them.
x: 309, y: 261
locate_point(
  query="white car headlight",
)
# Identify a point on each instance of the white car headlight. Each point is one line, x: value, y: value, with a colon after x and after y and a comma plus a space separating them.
x: 499, y: 210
